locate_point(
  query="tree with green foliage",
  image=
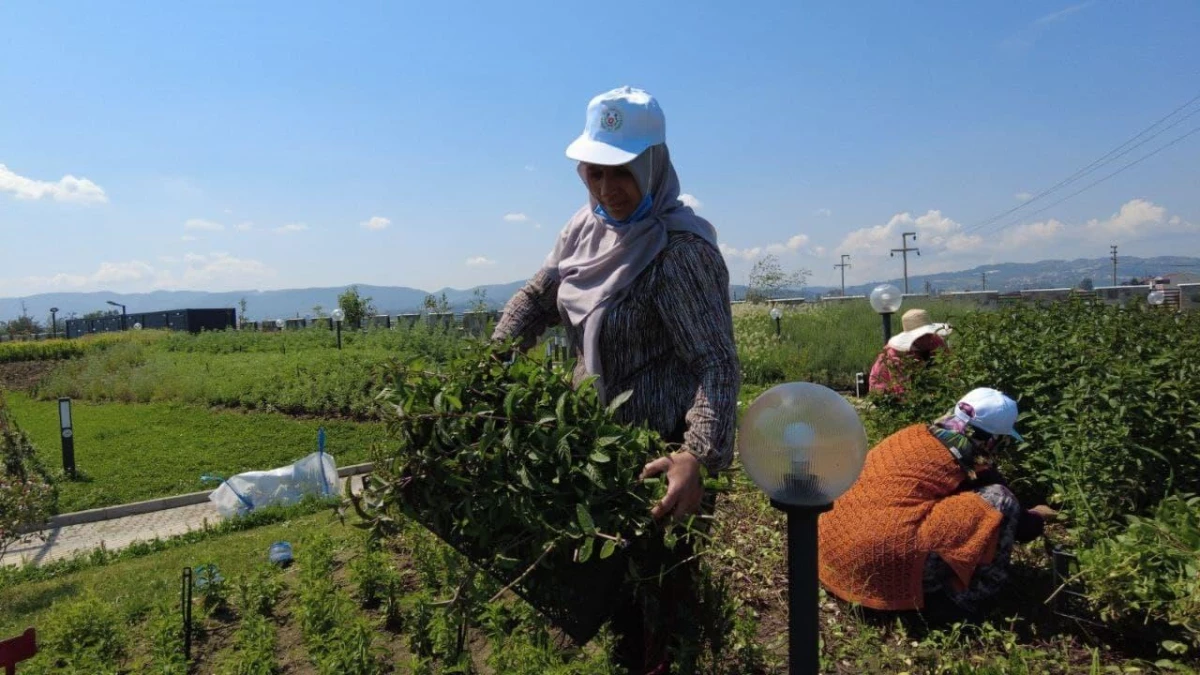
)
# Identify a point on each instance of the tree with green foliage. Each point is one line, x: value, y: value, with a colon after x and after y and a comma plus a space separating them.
x: 479, y: 301
x: 356, y: 307
x: 768, y: 279
x: 436, y: 305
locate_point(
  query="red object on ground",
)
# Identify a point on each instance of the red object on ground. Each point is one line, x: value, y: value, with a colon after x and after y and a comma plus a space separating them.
x: 17, y: 650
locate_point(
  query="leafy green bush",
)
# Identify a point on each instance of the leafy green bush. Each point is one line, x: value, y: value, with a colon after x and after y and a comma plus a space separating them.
x: 253, y: 650
x: 27, y: 494
x: 373, y: 578
x: 339, y: 639
x: 257, y: 591
x: 1109, y: 399
x: 1151, y: 571
x: 510, y: 457
x: 85, y: 635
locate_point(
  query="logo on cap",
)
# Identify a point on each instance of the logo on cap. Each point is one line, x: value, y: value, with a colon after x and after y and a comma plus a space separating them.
x: 611, y: 119
x: 967, y: 408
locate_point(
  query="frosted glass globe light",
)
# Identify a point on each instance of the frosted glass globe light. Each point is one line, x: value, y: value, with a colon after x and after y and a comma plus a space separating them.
x: 776, y: 313
x: 886, y: 299
x: 279, y: 323
x: 1156, y: 297
x: 802, y: 444
x: 338, y: 314
x: 137, y: 326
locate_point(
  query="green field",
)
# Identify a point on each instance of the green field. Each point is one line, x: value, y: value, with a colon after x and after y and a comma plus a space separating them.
x: 1112, y: 421
x: 130, y: 452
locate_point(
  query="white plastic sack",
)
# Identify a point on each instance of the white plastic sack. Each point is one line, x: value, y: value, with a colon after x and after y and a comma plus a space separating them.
x: 315, y: 474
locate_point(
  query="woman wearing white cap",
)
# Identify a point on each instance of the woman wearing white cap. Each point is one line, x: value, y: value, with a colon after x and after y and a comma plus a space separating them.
x: 639, y: 283
x: 929, y: 518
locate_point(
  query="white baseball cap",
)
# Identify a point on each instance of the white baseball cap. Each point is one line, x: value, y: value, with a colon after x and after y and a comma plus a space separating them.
x: 621, y: 124
x: 989, y: 410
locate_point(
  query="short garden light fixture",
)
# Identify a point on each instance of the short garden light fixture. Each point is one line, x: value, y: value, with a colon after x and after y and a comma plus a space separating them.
x: 337, y: 315
x: 53, y: 322
x: 804, y: 445
x: 886, y: 300
x: 137, y: 325
x: 1156, y: 298
x: 776, y: 314
x: 279, y: 324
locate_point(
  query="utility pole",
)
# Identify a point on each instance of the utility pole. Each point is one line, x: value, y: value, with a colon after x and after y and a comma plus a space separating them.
x: 983, y: 280
x: 844, y: 265
x: 1114, y: 259
x: 903, y: 251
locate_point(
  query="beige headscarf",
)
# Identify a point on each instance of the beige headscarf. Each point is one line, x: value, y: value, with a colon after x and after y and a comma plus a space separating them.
x: 596, y: 262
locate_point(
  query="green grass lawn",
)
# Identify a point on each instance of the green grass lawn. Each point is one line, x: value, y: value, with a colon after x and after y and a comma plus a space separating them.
x: 133, y: 451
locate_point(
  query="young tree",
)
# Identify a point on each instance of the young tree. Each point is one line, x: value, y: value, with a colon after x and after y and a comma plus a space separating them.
x: 479, y: 301
x: 242, y: 318
x: 1086, y: 284
x: 436, y: 305
x: 356, y: 307
x: 768, y: 278
x: 318, y: 311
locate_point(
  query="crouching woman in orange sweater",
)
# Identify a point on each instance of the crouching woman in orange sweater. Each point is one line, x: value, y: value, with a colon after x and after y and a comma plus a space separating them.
x: 929, y: 518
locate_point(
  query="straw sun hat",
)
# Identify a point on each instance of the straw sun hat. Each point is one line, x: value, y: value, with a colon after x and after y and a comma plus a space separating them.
x: 917, y: 323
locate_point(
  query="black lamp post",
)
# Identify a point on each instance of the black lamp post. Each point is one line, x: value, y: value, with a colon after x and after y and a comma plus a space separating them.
x: 803, y: 445
x: 117, y: 304
x: 886, y: 300
x: 337, y: 315
x: 777, y: 315
x: 53, y: 322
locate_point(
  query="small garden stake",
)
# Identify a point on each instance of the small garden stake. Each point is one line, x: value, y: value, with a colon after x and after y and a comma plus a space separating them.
x: 185, y: 600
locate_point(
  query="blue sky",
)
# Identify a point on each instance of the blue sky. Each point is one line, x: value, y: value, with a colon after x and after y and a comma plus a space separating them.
x: 231, y: 145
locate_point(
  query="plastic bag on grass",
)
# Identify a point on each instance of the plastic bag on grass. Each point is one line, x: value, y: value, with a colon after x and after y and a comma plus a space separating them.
x: 314, y: 475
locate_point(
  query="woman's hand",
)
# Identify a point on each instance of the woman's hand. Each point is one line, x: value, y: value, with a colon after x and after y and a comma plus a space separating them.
x: 1048, y: 514
x: 684, y: 487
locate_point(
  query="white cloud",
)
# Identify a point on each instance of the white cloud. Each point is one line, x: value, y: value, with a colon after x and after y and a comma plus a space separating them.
x: 743, y: 253
x: 66, y: 189
x: 201, y: 224
x: 691, y: 202
x: 823, y: 212
x: 515, y: 218
x: 792, y: 244
x: 188, y: 237
x: 1023, y: 196
x: 947, y: 245
x: 530, y: 167
x: 479, y: 261
x: 244, y: 226
x: 376, y: 223
x: 199, y: 271
x: 1135, y: 217
x: 290, y: 228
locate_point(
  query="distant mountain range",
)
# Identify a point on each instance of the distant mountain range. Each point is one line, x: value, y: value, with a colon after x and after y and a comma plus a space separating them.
x: 1043, y: 274
x: 399, y: 299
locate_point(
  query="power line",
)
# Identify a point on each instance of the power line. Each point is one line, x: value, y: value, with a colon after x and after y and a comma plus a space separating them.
x: 1098, y: 181
x: 1106, y: 158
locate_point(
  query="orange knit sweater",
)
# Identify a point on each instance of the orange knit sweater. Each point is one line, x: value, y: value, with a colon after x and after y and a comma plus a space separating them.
x: 874, y: 542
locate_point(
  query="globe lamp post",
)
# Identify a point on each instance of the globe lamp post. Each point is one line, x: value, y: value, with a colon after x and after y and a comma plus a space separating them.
x: 776, y: 314
x: 54, y: 322
x: 886, y: 300
x: 803, y: 445
x: 337, y: 315
x: 1156, y: 298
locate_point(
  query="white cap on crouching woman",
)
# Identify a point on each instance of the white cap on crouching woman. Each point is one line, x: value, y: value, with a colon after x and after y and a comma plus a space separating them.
x: 988, y: 410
